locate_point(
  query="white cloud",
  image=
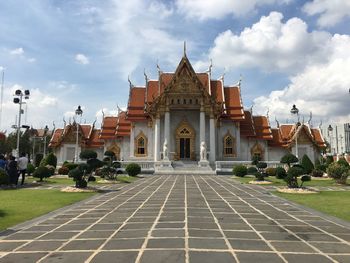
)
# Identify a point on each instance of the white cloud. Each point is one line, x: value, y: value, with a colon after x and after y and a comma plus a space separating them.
x: 217, y: 9
x: 17, y: 51
x: 321, y: 88
x: 330, y: 12
x: 82, y: 59
x: 271, y: 45
x: 31, y: 60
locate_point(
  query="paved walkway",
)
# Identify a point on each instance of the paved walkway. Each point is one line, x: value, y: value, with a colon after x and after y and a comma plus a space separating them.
x: 181, y: 219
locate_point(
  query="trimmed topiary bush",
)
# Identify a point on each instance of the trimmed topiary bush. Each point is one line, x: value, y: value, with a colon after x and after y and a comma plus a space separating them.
x: 42, y: 172
x: 329, y: 159
x: 252, y: 170
x: 240, y: 170
x: 51, y: 159
x: 261, y: 165
x: 38, y: 158
x: 256, y: 159
x: 343, y: 162
x: 116, y: 165
x: 260, y: 176
x: 70, y: 166
x: 338, y: 172
x: 78, y: 174
x: 322, y: 167
x: 51, y: 169
x: 307, y: 164
x: 4, y: 178
x: 292, y: 177
x: 91, y: 179
x: 280, y: 173
x: 94, y: 163
x: 133, y: 169
x: 63, y: 170
x: 289, y: 158
x: 271, y: 171
x: 317, y: 173
x: 88, y: 154
x: 305, y: 178
x: 30, y: 169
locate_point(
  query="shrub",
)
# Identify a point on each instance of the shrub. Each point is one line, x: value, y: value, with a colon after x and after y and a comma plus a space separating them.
x: 42, y: 172
x: 292, y: 176
x: 338, y: 172
x: 307, y: 164
x: 51, y: 159
x: 305, y: 178
x: 322, y: 167
x: 271, y: 171
x: 252, y: 170
x: 240, y: 170
x: 51, y: 169
x: 63, y: 170
x: 289, y: 158
x: 116, y: 165
x: 261, y: 165
x: 94, y: 163
x: 91, y: 179
x: 106, y: 172
x: 329, y: 159
x: 78, y: 176
x: 4, y: 178
x: 38, y: 158
x: 88, y: 154
x: 280, y: 173
x: 317, y: 173
x: 109, y: 154
x: 343, y: 162
x: 317, y: 162
x: 255, y: 159
x: 70, y: 166
x: 260, y: 176
x: 133, y: 169
x: 30, y: 168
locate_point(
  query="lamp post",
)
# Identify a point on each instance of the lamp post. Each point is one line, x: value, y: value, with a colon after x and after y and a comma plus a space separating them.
x: 78, y: 112
x: 19, y: 100
x: 295, y: 111
x: 46, y: 129
x: 330, y: 135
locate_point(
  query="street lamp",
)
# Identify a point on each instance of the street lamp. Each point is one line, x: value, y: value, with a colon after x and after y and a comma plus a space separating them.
x: 46, y: 129
x: 19, y: 100
x: 295, y: 111
x: 78, y: 112
x: 330, y: 135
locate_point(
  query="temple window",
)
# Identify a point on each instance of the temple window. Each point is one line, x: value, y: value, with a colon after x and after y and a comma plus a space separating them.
x: 178, y: 101
x: 190, y: 101
x: 141, y: 145
x: 229, y: 145
x: 184, y: 101
x: 172, y: 101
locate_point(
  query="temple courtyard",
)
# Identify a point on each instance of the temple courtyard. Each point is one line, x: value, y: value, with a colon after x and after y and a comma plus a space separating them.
x: 180, y: 219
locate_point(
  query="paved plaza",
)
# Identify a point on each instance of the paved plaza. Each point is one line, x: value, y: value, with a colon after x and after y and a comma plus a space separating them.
x: 181, y: 219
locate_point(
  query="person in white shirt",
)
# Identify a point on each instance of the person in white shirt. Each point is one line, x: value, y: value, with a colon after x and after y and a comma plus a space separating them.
x: 22, y: 166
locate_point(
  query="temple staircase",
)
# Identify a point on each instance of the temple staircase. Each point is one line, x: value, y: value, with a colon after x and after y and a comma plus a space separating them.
x: 185, y: 168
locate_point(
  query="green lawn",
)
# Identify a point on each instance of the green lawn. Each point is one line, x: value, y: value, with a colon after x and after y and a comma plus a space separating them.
x: 279, y: 182
x: 17, y: 206
x: 330, y: 202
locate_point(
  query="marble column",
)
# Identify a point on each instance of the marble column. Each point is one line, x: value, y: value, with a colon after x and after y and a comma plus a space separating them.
x: 201, y: 127
x: 167, y: 128
x: 212, y: 155
x: 132, y: 141
x: 156, y: 139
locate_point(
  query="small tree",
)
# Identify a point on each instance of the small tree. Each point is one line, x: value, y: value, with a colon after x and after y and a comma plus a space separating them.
x: 42, y: 172
x: 307, y: 164
x: 292, y: 177
x: 133, y: 169
x: 38, y: 158
x: 88, y: 154
x: 80, y: 175
x: 338, y: 172
x: 255, y: 159
x: 30, y: 169
x: 240, y: 170
x: 280, y: 173
x: 51, y: 159
x: 252, y: 170
x: 289, y: 158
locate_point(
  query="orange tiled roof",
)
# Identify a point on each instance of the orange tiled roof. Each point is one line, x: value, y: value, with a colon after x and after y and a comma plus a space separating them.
x: 216, y: 90
x: 233, y: 103
x: 136, y: 104
x: 94, y: 140
x: 262, y: 128
x: 108, y: 128
x: 54, y: 142
x: 246, y: 126
x: 123, y: 125
x: 316, y: 133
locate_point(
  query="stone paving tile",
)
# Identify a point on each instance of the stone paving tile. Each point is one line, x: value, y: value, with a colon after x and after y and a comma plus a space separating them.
x: 174, y: 218
x: 210, y: 257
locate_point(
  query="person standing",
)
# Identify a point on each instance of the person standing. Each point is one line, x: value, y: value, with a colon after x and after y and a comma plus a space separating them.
x: 2, y: 162
x: 12, y: 170
x: 22, y: 166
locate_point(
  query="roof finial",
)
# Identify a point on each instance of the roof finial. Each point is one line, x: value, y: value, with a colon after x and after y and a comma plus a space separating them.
x: 277, y: 122
x: 267, y: 113
x: 158, y: 68
x: 309, y: 121
x: 251, y: 108
x: 54, y: 125
x: 210, y: 66
x: 103, y: 114
x: 64, y: 122
x: 144, y: 73
x: 184, y: 48
x: 130, y: 84
x: 319, y: 126
x: 118, y: 109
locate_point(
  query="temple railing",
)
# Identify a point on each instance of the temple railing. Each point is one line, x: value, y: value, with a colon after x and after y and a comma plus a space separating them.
x: 146, y: 166
x: 226, y: 166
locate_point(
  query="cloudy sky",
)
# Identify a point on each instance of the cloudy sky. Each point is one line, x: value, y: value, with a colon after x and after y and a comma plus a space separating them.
x: 81, y: 52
